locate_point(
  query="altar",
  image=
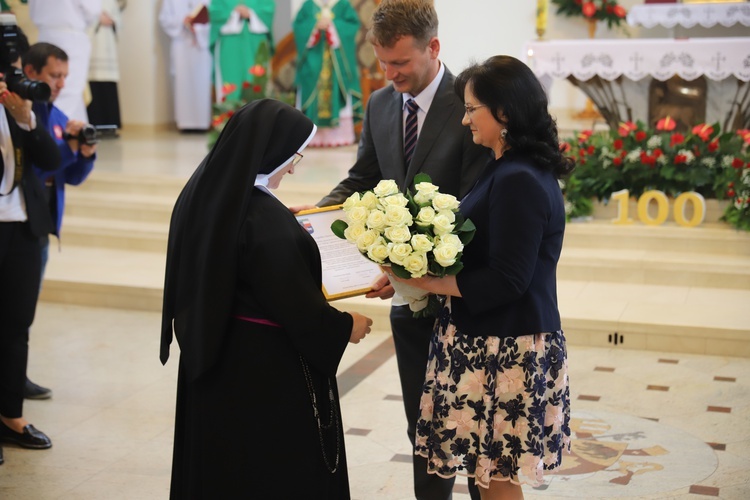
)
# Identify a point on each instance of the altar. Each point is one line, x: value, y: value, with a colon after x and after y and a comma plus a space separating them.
x: 625, y: 77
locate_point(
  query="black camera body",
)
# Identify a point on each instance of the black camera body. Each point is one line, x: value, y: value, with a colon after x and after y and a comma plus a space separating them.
x: 9, y: 54
x: 87, y: 135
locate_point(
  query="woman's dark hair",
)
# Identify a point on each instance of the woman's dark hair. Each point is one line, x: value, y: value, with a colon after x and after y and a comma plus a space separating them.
x: 508, y: 87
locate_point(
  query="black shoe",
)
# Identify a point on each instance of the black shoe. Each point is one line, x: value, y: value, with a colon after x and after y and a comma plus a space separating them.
x: 30, y: 437
x: 34, y: 391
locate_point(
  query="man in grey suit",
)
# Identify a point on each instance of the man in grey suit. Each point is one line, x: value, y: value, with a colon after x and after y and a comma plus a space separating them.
x: 404, y: 37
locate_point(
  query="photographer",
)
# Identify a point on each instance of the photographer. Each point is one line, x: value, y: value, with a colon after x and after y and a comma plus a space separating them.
x: 77, y: 144
x: 24, y: 218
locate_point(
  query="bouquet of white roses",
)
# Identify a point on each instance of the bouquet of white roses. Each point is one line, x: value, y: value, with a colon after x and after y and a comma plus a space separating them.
x: 417, y: 233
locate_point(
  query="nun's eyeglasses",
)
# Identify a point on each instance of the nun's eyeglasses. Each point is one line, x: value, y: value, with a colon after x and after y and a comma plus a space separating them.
x: 297, y: 158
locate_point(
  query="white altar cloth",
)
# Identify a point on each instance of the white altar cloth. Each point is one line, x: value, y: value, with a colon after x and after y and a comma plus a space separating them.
x: 714, y: 58
x: 687, y: 15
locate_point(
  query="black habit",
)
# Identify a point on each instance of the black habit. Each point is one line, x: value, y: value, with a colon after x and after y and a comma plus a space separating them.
x: 257, y: 338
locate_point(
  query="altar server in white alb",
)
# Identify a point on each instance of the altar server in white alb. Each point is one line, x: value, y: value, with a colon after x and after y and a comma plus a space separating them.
x: 190, y: 64
x: 65, y: 23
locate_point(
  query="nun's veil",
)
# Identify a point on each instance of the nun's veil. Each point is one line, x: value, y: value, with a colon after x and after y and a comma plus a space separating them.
x: 202, y: 255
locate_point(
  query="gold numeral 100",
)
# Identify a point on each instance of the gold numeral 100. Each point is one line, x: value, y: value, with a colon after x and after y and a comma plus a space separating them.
x: 662, y: 211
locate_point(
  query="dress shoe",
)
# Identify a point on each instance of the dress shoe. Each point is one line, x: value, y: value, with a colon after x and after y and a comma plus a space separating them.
x: 34, y: 391
x: 30, y: 437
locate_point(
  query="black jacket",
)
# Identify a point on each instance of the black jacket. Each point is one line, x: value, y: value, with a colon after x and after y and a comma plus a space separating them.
x: 41, y: 150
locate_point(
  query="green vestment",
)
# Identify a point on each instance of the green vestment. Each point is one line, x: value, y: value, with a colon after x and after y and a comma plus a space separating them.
x: 236, y: 52
x: 326, y: 76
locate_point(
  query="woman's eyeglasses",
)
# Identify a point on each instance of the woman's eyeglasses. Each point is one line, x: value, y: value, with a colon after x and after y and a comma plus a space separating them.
x: 471, y: 108
x: 297, y: 158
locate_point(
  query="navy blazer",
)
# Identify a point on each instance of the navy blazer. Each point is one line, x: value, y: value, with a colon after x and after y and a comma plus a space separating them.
x: 508, y: 284
x: 445, y: 149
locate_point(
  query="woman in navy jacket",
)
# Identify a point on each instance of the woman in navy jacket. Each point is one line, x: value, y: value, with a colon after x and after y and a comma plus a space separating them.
x: 496, y: 400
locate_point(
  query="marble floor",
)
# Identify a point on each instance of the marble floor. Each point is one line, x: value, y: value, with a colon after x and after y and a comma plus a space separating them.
x: 647, y: 424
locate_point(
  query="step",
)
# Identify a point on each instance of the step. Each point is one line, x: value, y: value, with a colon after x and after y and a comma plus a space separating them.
x: 717, y: 238
x: 117, y: 234
x: 654, y: 267
x: 699, y: 320
x: 119, y: 206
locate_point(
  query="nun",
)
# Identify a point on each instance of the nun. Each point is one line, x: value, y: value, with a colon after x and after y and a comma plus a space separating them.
x: 257, y: 403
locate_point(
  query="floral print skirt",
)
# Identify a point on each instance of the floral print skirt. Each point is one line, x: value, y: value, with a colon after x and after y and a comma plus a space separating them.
x: 494, y: 408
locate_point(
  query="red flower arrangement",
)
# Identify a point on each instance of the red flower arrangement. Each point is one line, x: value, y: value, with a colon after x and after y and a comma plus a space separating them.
x: 608, y: 11
x: 634, y: 157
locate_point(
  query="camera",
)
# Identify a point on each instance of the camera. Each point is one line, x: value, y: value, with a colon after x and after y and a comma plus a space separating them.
x: 10, y: 37
x: 87, y: 135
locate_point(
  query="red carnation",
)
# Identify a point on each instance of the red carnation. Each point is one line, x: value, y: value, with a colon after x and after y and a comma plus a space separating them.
x: 680, y: 159
x: 731, y: 193
x: 640, y: 135
x: 617, y: 144
x: 591, y: 150
x: 713, y: 145
x: 257, y: 88
x: 617, y: 161
x: 737, y: 163
x: 658, y: 152
x: 588, y: 9
x: 582, y: 153
x: 676, y: 139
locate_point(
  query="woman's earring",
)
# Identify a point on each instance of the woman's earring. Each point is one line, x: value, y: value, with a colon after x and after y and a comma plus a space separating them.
x: 503, y: 133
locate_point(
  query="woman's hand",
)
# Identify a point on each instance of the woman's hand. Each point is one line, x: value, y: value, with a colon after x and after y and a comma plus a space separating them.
x: 360, y: 327
x: 440, y: 286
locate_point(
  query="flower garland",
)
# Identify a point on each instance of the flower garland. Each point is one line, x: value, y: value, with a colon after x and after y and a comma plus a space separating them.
x: 608, y: 11
x: 713, y: 163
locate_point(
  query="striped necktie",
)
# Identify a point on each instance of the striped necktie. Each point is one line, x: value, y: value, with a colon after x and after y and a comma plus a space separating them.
x: 410, y: 131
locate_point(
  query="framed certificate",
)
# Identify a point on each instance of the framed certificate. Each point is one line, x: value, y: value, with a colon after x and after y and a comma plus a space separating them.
x: 346, y: 272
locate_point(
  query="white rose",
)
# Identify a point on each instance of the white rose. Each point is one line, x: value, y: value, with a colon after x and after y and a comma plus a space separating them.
x: 421, y: 243
x: 445, y: 202
x: 450, y: 215
x: 357, y: 215
x: 398, y: 200
x: 425, y: 216
x: 397, y: 216
x: 397, y: 252
x: 366, y: 239
x: 416, y: 264
x: 353, y: 232
x: 378, y: 251
x: 425, y: 192
x: 385, y: 188
x: 376, y: 220
x: 450, y: 239
x: 397, y: 234
x: 442, y: 225
x: 351, y: 202
x: 445, y: 255
x: 369, y: 200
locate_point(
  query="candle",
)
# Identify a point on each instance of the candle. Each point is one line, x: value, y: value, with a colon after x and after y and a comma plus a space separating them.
x: 541, y: 16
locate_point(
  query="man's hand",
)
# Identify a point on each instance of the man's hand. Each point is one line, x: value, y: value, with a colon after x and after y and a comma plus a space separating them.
x: 298, y: 208
x: 20, y: 109
x: 360, y: 327
x: 381, y: 289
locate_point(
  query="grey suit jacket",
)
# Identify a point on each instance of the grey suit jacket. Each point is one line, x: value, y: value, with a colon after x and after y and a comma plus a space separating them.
x: 445, y: 150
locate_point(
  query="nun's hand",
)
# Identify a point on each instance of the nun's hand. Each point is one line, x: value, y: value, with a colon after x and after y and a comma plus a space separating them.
x: 360, y: 327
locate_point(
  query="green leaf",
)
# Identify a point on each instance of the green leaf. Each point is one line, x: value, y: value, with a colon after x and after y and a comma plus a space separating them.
x: 338, y: 227
x: 422, y: 177
x: 466, y: 227
x: 400, y: 271
x: 454, y: 269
